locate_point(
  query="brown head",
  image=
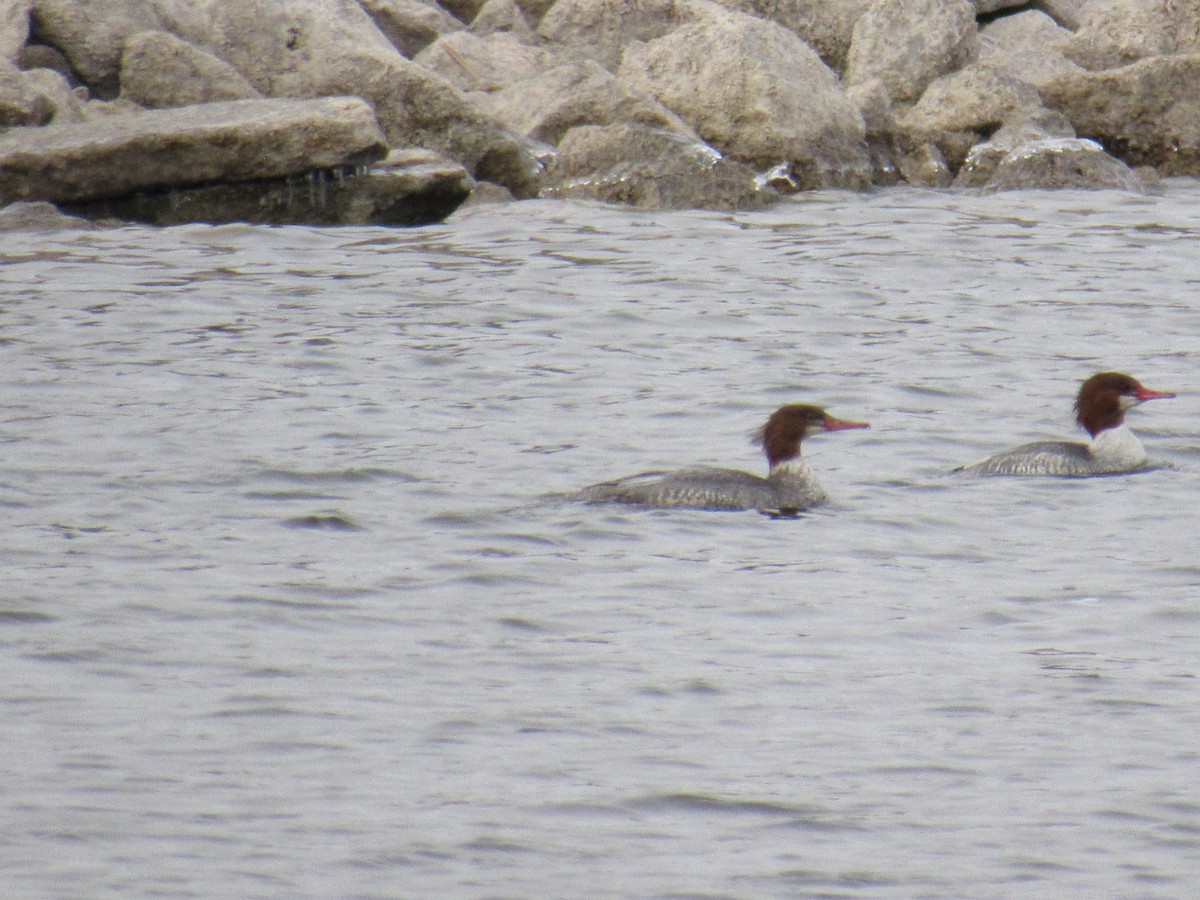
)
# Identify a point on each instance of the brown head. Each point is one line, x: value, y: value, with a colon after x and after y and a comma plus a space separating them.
x: 1105, y: 398
x: 789, y: 425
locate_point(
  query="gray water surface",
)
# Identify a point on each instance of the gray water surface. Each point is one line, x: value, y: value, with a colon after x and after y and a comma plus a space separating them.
x: 289, y: 609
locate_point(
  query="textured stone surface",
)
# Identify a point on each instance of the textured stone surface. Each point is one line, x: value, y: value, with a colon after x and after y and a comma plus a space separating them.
x: 582, y: 93
x: 651, y: 168
x: 239, y: 140
x: 14, y: 28
x: 1147, y: 113
x: 825, y: 25
x: 158, y: 71
x: 412, y: 188
x: 602, y: 29
x: 756, y: 92
x: 488, y: 63
x: 1124, y: 31
x: 1059, y: 163
x: 1028, y: 46
x: 410, y: 25
x: 907, y: 44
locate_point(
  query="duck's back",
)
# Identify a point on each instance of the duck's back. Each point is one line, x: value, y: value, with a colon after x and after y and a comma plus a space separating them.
x: 701, y: 487
x: 1062, y: 458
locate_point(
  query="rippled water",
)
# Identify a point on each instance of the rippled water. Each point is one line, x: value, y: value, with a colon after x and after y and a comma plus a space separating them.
x: 287, y: 612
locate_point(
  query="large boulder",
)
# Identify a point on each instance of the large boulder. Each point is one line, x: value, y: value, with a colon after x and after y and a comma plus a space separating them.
x: 233, y: 141
x: 651, y: 168
x: 825, y: 25
x: 158, y: 71
x: 409, y: 188
x: 93, y: 35
x: 1147, y: 113
x: 756, y: 92
x: 907, y: 44
x: 14, y: 28
x: 546, y: 106
x: 1124, y: 31
x: 410, y: 25
x: 1059, y: 163
x: 960, y: 110
x: 602, y: 29
x: 311, y: 48
x: 61, y: 101
x: 19, y: 105
x: 1028, y: 45
x: 474, y: 63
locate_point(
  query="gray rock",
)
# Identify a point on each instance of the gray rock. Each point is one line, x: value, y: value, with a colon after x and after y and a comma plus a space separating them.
x: 410, y: 188
x: 1146, y: 114
x: 40, y: 56
x: 93, y: 35
x: 582, y: 93
x: 504, y: 15
x: 311, y: 48
x: 18, y: 104
x: 756, y: 92
x: 233, y: 141
x: 907, y: 44
x: 159, y: 71
x: 1125, y: 31
x: 651, y: 168
x: 39, y: 216
x: 1062, y: 163
x: 984, y: 7
x: 924, y: 166
x: 825, y: 25
x: 14, y: 28
x: 410, y: 25
x: 1067, y: 13
x: 63, y: 104
x: 488, y: 63
x: 1028, y: 46
x: 960, y: 110
x: 602, y: 29
x: 983, y: 160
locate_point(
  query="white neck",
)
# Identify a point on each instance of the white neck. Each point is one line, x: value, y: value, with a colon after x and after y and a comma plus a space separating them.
x: 1117, y: 450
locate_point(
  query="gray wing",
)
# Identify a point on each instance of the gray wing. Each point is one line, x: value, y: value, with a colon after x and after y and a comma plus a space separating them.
x: 1062, y: 458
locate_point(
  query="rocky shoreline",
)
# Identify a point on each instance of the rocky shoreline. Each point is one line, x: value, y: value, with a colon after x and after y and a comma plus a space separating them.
x: 396, y: 111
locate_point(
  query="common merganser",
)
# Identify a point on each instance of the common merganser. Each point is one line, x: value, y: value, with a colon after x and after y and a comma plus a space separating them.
x: 788, y: 488
x: 1100, y: 408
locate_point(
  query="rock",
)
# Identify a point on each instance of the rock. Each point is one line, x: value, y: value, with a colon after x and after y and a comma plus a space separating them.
x: 61, y: 101
x: 158, y: 71
x: 311, y: 48
x: 1067, y: 13
x: 38, y: 216
x: 233, y: 141
x: 924, y: 166
x: 410, y: 25
x: 488, y: 63
x: 503, y: 15
x: 907, y: 44
x: 1125, y: 31
x: 1058, y: 163
x: 1146, y: 114
x: 92, y: 35
x: 756, y: 92
x: 546, y: 106
x: 463, y: 10
x: 960, y: 110
x: 18, y: 104
x: 39, y: 56
x: 824, y: 25
x: 984, y: 158
x: 651, y: 168
x: 414, y: 187
x: 1027, y: 46
x: 602, y: 29
x: 14, y: 28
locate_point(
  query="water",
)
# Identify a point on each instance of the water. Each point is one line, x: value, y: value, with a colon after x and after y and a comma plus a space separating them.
x: 286, y: 612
